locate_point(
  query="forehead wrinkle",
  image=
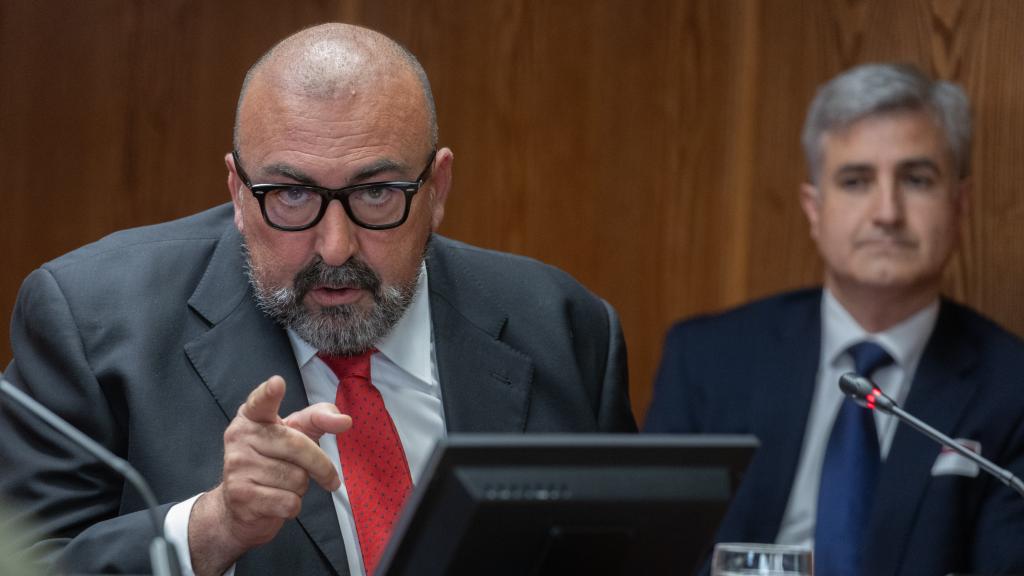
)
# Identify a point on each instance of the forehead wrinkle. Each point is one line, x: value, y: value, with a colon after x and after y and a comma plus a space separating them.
x: 378, y: 167
x: 351, y: 134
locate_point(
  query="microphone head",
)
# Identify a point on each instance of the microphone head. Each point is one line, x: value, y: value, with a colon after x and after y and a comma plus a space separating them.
x: 855, y: 386
x: 864, y: 392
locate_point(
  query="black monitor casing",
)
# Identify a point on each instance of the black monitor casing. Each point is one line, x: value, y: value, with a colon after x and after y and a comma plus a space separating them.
x: 546, y: 505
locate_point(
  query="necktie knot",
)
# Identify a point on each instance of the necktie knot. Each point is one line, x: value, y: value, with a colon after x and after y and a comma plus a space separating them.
x: 357, y: 366
x: 869, y: 357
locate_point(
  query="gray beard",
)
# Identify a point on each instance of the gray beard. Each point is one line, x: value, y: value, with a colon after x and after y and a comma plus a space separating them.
x: 343, y: 330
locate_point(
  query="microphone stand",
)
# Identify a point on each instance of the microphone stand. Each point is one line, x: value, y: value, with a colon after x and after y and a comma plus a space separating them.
x: 866, y: 393
x: 1001, y: 474
x: 162, y: 555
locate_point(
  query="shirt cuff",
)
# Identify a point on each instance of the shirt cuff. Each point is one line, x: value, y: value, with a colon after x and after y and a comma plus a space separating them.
x: 176, y: 530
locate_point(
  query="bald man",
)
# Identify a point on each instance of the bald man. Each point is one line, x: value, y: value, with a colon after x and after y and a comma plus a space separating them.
x: 243, y: 359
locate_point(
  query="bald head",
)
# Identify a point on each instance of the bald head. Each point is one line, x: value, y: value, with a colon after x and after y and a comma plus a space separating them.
x: 326, y: 61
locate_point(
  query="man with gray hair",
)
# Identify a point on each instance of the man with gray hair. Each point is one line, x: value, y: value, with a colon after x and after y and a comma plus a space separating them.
x: 888, y: 151
x: 236, y: 355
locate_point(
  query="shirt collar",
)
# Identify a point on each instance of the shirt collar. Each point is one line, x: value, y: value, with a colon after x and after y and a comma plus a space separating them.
x: 408, y: 345
x: 905, y: 341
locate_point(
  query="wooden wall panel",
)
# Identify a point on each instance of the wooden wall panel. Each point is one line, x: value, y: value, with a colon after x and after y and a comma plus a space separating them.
x: 590, y: 135
x: 649, y: 148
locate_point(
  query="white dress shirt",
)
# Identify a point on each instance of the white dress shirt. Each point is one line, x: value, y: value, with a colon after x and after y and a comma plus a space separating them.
x: 405, y: 372
x: 905, y: 342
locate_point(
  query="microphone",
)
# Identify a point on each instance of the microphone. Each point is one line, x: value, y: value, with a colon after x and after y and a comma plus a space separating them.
x: 865, y: 393
x: 162, y: 555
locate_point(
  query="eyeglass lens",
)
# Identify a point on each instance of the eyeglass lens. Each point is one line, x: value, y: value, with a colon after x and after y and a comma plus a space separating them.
x: 298, y: 206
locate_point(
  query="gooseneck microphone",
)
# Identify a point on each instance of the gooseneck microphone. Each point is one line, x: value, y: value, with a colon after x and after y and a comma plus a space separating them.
x: 162, y: 556
x: 865, y: 393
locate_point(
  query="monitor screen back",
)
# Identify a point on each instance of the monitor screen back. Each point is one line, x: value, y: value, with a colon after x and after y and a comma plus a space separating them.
x: 545, y: 505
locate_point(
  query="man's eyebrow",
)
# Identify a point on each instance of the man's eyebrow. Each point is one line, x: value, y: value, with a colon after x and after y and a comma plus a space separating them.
x: 379, y: 167
x: 364, y: 174
x: 922, y: 162
x: 857, y: 168
x: 290, y: 172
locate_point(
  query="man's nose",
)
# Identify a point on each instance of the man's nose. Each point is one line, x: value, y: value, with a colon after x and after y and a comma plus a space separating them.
x: 889, y: 208
x: 336, y: 235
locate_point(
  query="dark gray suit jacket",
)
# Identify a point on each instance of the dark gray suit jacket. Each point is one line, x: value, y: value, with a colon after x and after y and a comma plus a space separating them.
x: 149, y: 340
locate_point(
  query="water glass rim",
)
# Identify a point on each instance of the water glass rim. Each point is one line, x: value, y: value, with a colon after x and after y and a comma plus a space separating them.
x: 761, y: 547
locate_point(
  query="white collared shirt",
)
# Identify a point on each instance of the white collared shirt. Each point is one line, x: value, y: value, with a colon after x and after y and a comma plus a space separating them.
x: 905, y: 342
x: 404, y: 370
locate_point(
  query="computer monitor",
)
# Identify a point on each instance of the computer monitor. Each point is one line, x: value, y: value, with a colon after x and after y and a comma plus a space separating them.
x: 547, y: 505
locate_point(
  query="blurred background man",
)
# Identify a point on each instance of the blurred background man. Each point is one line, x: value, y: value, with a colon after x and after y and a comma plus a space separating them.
x: 888, y: 152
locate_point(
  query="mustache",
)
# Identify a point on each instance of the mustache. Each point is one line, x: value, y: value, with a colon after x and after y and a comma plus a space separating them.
x: 354, y: 273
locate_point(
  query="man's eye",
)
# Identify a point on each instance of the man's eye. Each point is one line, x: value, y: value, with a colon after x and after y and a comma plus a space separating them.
x: 378, y: 195
x: 920, y: 181
x: 853, y: 183
x: 294, y: 196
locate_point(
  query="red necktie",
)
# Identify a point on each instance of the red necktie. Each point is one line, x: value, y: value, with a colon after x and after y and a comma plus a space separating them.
x: 372, y: 459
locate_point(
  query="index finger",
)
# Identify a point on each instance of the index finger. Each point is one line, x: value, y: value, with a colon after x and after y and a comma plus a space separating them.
x: 264, y: 402
x: 319, y: 419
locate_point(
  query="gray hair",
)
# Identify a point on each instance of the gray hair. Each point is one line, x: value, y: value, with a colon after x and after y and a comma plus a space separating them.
x: 873, y: 89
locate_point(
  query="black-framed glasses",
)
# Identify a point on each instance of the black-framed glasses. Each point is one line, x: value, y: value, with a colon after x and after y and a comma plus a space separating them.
x: 373, y: 205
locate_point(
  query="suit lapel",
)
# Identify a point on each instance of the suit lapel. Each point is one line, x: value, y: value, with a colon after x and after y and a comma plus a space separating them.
x: 780, y: 377
x: 485, y: 383
x: 785, y: 391
x: 939, y: 395
x: 241, y: 349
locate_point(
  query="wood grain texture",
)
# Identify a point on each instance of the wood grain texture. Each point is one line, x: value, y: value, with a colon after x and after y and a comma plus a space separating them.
x: 649, y: 148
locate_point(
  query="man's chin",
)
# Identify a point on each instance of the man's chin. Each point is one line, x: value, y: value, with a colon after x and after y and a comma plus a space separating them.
x: 888, y: 278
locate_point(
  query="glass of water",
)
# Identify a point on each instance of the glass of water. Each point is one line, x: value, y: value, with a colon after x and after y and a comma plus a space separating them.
x: 736, y: 559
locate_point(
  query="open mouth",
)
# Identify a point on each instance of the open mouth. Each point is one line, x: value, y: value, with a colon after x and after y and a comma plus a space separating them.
x: 336, y: 295
x: 336, y: 285
x: 335, y: 288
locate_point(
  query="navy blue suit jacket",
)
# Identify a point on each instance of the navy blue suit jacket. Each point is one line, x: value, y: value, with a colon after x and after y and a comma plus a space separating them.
x: 753, y: 370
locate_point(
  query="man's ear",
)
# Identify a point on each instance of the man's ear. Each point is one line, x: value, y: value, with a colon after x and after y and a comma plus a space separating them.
x: 440, y: 183
x: 235, y: 189
x: 810, y: 201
